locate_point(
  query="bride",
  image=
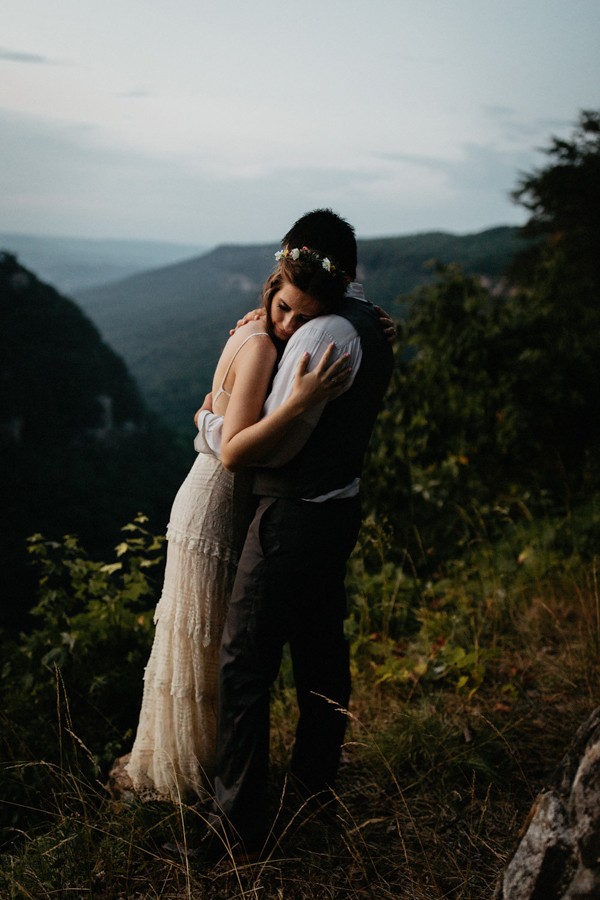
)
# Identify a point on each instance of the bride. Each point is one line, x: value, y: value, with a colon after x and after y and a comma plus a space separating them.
x: 174, y: 748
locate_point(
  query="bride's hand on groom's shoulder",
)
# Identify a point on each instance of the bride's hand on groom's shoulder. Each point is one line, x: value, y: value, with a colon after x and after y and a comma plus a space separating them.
x: 253, y: 316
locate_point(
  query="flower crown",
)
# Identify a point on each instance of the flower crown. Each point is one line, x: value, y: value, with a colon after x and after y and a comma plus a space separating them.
x: 309, y: 255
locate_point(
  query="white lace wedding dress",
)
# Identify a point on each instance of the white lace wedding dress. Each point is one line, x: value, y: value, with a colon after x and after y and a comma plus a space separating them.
x: 174, y: 749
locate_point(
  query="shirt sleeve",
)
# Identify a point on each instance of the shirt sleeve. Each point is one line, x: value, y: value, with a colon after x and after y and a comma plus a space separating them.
x: 210, y: 433
x: 314, y: 338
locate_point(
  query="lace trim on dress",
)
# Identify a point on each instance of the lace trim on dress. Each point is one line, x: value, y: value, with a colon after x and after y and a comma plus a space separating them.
x: 195, y: 604
x: 201, y: 545
x: 174, y: 749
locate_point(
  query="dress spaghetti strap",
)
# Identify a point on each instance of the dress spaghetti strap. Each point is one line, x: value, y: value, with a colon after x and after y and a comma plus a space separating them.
x: 221, y: 389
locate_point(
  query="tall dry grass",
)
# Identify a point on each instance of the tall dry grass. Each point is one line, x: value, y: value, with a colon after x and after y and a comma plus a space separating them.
x: 445, y: 752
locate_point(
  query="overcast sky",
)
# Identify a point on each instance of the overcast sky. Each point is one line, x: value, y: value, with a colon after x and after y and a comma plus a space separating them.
x: 211, y: 122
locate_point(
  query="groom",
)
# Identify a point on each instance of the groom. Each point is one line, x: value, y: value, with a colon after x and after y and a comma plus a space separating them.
x: 289, y: 585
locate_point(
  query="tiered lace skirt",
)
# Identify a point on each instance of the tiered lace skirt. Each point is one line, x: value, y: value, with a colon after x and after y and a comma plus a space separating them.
x: 174, y: 749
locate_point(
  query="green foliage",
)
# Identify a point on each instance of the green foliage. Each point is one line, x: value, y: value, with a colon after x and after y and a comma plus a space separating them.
x: 448, y: 747
x: 406, y: 632
x: 90, y: 610
x: 383, y: 595
x: 558, y: 368
x: 436, y: 444
x: 452, y: 631
x: 81, y: 667
x: 564, y: 198
x: 443, y: 757
x: 494, y: 399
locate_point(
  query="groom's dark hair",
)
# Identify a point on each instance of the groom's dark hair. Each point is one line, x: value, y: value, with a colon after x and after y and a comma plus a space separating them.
x: 327, y: 233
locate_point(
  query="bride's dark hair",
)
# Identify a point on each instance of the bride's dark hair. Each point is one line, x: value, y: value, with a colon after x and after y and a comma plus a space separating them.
x: 328, y: 234
x: 307, y: 273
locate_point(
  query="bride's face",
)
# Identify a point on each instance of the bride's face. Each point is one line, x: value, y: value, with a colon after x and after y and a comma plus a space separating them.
x: 290, y: 309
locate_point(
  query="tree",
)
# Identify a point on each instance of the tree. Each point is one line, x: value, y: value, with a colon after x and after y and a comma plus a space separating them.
x: 558, y: 307
x: 496, y: 393
x: 564, y: 200
x: 435, y: 448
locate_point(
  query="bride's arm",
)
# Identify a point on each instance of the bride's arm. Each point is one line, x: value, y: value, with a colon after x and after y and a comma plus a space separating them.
x: 246, y: 440
x: 252, y: 371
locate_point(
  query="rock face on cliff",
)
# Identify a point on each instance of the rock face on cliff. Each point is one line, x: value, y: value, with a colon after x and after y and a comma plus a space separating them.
x: 558, y: 856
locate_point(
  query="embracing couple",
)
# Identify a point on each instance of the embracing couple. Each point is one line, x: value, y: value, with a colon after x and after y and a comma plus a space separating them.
x: 257, y: 559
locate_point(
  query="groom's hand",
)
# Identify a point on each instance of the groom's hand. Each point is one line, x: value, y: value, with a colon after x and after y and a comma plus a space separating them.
x: 251, y: 316
x: 387, y: 323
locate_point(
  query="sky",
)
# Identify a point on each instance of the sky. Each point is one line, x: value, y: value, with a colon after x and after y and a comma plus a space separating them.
x: 222, y: 122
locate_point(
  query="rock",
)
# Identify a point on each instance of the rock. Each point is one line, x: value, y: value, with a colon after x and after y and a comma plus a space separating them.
x: 119, y: 784
x: 585, y: 806
x: 122, y: 789
x: 558, y: 855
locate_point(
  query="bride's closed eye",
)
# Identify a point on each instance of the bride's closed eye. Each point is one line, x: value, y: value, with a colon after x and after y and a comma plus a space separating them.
x: 301, y: 318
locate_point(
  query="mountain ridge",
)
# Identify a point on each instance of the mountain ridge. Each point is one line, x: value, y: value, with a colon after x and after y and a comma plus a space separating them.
x: 170, y: 324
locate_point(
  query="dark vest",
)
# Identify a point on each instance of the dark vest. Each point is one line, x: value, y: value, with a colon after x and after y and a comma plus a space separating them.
x: 333, y: 455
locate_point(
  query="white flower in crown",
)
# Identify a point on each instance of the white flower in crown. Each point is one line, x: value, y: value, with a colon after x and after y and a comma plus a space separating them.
x: 309, y: 255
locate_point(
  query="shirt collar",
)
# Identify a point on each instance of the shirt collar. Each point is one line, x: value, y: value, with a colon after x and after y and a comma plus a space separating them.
x: 356, y: 290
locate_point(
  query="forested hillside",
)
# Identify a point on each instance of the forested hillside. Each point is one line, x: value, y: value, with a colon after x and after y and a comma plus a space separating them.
x: 169, y: 325
x: 78, y: 450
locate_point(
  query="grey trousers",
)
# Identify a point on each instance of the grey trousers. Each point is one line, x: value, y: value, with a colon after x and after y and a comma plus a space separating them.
x: 289, y: 588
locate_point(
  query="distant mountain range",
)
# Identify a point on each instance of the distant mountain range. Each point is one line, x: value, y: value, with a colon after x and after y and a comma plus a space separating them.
x: 72, y: 264
x: 170, y: 324
x: 167, y: 308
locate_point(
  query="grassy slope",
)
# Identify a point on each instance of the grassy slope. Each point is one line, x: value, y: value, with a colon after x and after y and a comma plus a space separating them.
x: 437, y: 776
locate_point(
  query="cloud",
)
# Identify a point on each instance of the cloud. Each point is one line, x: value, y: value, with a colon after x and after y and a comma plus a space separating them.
x: 74, y: 178
x: 469, y: 191
x: 500, y: 112
x: 33, y: 143
x: 480, y: 167
x: 19, y: 57
x: 516, y: 128
x: 61, y: 170
x: 135, y: 94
